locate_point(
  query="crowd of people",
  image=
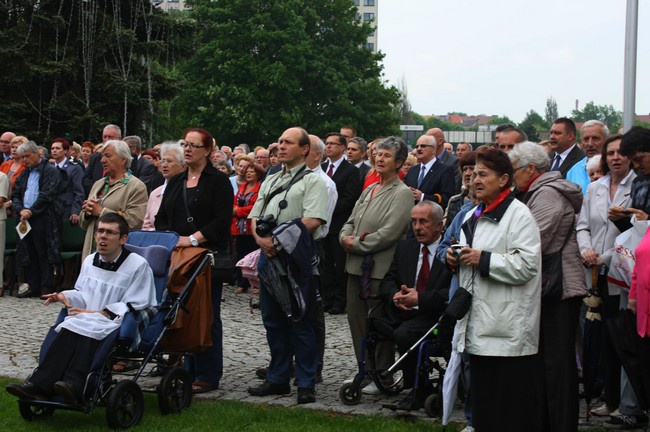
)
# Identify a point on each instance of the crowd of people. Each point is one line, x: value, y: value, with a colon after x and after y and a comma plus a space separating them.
x: 532, y: 231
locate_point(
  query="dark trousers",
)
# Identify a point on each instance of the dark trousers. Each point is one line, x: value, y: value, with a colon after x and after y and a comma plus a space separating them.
x: 333, y: 277
x: 39, y: 273
x: 557, y: 344
x: 405, y: 335
x: 68, y: 359
x: 207, y: 365
x: 245, y: 244
x: 288, y: 338
x: 506, y: 393
x: 611, y: 363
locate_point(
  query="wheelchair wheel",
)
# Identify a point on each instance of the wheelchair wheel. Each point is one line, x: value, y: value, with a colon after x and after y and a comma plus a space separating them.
x: 175, y: 391
x: 350, y: 394
x: 32, y: 412
x: 433, y: 405
x: 125, y: 405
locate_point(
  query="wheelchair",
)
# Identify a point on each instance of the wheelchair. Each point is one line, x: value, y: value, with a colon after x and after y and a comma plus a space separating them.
x: 429, y: 373
x: 138, y: 339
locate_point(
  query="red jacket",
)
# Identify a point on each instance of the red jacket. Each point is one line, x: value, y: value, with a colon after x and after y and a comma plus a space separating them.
x: 241, y: 213
x: 640, y: 289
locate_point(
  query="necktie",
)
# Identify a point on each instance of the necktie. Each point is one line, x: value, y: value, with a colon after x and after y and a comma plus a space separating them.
x: 423, y: 275
x: 556, y: 163
x: 330, y: 170
x: 423, y: 171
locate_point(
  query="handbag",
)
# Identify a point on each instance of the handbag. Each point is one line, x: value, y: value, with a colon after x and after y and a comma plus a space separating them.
x: 223, y: 263
x: 552, y: 275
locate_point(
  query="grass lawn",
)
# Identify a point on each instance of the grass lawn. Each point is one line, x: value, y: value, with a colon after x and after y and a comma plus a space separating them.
x: 213, y: 416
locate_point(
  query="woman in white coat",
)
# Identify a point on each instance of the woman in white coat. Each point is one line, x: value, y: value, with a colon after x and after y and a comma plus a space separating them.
x: 500, y: 266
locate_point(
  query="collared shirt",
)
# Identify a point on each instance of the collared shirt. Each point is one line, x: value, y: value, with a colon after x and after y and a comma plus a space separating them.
x: 427, y: 167
x: 32, y: 190
x: 303, y: 200
x: 433, y: 247
x: 563, y: 155
x: 332, y: 197
x: 336, y: 164
x: 62, y: 164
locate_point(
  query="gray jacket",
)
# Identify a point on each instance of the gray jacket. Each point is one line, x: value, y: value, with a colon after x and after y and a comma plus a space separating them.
x: 554, y: 202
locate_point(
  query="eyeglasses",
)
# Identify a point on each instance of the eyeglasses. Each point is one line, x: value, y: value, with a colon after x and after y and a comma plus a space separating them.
x: 424, y: 145
x: 194, y: 146
x: 4, y: 142
x: 108, y: 232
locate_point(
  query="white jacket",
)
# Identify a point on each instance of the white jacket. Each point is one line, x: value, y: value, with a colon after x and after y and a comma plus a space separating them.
x: 503, y: 320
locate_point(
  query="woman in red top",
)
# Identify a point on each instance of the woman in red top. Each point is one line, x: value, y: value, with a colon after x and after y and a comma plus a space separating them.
x: 372, y: 177
x: 241, y: 227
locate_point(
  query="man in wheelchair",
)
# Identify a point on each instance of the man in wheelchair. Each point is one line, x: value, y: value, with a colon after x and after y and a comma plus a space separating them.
x: 112, y: 281
x: 417, y: 285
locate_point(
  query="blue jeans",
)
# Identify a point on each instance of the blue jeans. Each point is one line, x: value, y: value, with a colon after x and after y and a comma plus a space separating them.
x: 208, y: 365
x: 287, y: 338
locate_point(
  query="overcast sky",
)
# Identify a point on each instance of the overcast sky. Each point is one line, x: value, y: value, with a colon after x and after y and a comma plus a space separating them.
x: 507, y: 57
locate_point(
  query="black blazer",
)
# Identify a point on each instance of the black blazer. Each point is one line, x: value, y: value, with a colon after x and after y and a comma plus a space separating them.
x: 438, y: 184
x: 363, y: 172
x: 211, y: 209
x: 432, y: 302
x: 93, y: 172
x: 454, y: 162
x: 146, y: 172
x: 572, y: 158
x: 348, y: 186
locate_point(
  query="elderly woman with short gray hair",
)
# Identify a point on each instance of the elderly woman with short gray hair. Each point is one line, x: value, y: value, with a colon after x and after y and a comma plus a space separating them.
x: 554, y: 202
x: 378, y: 221
x: 171, y: 163
x: 117, y: 192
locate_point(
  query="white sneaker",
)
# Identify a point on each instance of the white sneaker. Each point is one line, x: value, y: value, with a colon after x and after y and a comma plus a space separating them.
x: 601, y: 411
x: 22, y: 288
x: 468, y: 429
x: 371, y: 389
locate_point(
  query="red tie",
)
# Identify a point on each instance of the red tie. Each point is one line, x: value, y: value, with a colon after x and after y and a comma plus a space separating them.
x: 330, y: 171
x: 423, y: 276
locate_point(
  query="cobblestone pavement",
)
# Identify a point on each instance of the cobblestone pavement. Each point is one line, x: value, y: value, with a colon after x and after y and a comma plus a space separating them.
x: 25, y: 323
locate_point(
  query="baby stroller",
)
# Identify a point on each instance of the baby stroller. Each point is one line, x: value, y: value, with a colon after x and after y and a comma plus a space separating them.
x: 138, y: 338
x: 429, y: 371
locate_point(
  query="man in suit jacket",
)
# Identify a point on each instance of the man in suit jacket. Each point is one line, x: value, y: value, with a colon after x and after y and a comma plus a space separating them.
x: 566, y: 152
x: 142, y: 168
x: 436, y: 183
x: 356, y: 152
x: 73, y: 196
x: 446, y: 158
x: 417, y: 285
x: 348, y: 185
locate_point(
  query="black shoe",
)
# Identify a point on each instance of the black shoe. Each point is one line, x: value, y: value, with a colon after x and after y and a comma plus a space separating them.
x: 261, y: 373
x: 28, y: 293
x: 337, y: 310
x: 306, y: 395
x: 626, y: 422
x: 269, y: 388
x: 26, y: 391
x: 63, y: 389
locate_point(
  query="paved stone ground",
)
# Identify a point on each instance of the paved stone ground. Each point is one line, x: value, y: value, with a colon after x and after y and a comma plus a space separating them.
x: 25, y: 323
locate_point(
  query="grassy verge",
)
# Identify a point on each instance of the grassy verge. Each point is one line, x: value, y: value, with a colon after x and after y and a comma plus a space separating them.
x: 213, y: 416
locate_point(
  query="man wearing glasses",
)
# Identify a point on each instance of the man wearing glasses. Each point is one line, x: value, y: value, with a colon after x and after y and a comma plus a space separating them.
x: 431, y: 179
x: 262, y: 158
x: 5, y: 144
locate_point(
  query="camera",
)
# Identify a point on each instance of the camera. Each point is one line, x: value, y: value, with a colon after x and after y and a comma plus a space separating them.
x: 265, y: 224
x: 457, y: 247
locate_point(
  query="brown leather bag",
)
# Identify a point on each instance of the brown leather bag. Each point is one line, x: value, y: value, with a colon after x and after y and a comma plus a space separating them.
x: 192, y: 330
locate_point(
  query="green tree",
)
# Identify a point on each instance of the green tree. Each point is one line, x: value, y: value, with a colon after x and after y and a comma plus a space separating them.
x: 605, y: 113
x: 532, y: 124
x: 499, y: 120
x: 550, y: 112
x: 73, y: 66
x: 405, y: 112
x: 261, y: 66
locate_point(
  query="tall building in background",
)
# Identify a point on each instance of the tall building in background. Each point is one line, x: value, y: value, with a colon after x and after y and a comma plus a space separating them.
x: 368, y: 13
x: 169, y: 4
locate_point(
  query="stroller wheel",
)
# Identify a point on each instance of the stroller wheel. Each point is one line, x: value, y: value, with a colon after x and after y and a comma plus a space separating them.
x: 175, y: 391
x: 350, y: 394
x: 125, y: 405
x: 432, y: 405
x: 32, y: 412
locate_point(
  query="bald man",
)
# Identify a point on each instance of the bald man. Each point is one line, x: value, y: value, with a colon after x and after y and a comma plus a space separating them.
x: 5, y: 147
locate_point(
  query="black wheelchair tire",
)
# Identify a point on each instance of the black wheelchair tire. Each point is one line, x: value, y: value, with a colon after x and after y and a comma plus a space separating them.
x: 175, y: 391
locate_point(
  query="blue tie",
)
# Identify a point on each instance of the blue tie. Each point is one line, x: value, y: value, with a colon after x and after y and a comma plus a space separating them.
x: 556, y: 163
x: 423, y: 171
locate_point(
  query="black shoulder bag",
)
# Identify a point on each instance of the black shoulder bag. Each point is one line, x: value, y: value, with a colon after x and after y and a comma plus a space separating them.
x: 552, y: 276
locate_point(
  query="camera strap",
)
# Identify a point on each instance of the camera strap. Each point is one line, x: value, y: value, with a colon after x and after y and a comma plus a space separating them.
x: 285, y: 188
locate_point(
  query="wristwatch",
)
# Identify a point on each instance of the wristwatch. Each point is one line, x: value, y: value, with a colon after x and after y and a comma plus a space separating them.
x: 193, y: 241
